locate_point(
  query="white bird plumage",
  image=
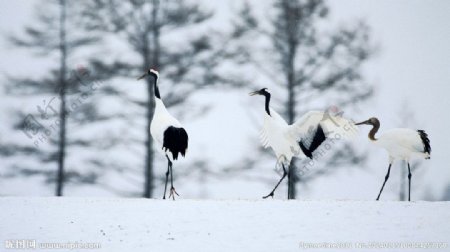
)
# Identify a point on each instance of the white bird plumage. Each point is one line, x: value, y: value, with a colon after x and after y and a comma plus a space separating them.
x: 401, y: 144
x: 167, y: 132
x: 284, y: 139
x: 162, y: 120
x: 301, y: 138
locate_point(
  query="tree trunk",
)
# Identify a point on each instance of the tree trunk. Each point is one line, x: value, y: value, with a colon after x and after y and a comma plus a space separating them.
x: 403, y: 176
x: 291, y: 118
x: 292, y: 178
x: 148, y: 190
x: 152, y: 61
x: 62, y: 96
x: 291, y: 16
x: 148, y: 187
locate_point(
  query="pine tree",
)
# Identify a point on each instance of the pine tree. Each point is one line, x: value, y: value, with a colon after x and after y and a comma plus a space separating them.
x: 54, y: 36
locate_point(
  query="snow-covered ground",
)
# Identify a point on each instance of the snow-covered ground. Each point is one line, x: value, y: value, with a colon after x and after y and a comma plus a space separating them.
x: 231, y: 225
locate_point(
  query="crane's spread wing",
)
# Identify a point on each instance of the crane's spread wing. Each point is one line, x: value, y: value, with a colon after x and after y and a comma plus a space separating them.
x: 315, y: 127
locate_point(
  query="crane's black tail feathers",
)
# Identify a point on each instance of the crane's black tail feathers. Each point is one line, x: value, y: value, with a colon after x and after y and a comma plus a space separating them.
x: 318, y: 139
x: 176, y: 141
x: 426, y: 142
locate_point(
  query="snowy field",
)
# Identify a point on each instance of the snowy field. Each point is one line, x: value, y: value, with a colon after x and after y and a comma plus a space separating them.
x: 239, y: 225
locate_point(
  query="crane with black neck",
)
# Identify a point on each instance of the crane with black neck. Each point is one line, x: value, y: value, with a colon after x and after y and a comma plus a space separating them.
x: 168, y: 134
x: 401, y: 144
x: 302, y: 138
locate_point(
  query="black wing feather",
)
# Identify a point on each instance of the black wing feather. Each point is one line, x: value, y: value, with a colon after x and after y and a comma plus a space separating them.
x: 318, y: 139
x: 176, y: 141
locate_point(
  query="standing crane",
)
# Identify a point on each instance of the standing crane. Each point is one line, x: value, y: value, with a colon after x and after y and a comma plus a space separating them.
x: 401, y: 144
x: 301, y: 138
x: 169, y: 135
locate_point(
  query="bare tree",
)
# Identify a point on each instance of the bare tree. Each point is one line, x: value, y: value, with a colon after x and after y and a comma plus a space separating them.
x: 53, y: 34
x: 294, y: 49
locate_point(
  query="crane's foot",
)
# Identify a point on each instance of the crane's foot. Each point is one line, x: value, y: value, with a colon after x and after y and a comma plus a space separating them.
x: 269, y: 195
x: 172, y: 193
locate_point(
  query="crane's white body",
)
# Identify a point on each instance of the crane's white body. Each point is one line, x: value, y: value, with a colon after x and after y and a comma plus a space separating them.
x: 162, y: 120
x: 401, y: 144
x: 284, y: 139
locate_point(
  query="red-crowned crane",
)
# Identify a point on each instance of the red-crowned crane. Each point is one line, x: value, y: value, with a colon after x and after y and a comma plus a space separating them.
x: 301, y: 138
x: 401, y: 144
x: 169, y: 135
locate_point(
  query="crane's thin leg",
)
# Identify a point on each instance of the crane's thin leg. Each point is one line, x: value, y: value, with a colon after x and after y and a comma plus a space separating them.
x: 271, y: 193
x: 409, y: 180
x: 385, y: 179
x: 172, y: 189
x: 169, y: 163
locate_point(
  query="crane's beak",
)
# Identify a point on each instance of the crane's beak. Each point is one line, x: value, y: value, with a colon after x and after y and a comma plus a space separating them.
x: 253, y: 93
x: 364, y: 122
x: 142, y: 76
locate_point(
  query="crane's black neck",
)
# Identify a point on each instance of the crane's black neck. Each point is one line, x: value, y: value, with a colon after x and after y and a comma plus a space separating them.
x: 374, y: 130
x: 267, y: 95
x: 155, y: 85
